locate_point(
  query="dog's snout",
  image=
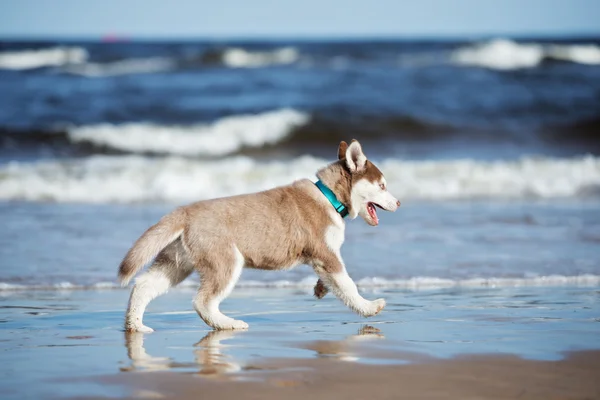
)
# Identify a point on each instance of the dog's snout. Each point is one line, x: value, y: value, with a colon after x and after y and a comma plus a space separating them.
x: 397, y: 203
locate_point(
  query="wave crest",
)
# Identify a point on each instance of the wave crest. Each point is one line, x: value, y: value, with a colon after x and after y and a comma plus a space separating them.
x: 48, y: 57
x: 122, y: 67
x: 131, y: 179
x: 416, y: 283
x: 225, y: 136
x: 240, y: 58
x: 503, y: 54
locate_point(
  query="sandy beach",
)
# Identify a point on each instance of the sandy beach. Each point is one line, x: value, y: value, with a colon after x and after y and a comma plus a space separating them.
x: 489, y: 377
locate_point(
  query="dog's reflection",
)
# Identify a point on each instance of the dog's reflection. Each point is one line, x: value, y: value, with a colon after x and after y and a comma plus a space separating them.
x: 140, y: 360
x: 211, y: 360
x: 346, y: 349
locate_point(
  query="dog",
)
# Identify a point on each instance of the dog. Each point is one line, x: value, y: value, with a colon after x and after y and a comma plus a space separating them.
x: 280, y: 228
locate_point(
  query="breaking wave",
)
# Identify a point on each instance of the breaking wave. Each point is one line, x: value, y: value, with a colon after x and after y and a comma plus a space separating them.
x: 499, y: 54
x: 133, y: 179
x: 123, y: 67
x: 240, y: 58
x: 48, y: 57
x: 426, y: 282
x: 505, y: 54
x: 75, y: 61
x: 281, y: 128
x: 225, y: 136
x: 365, y: 283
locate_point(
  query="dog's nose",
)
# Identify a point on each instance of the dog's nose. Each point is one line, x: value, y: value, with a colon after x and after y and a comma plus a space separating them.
x: 398, y: 203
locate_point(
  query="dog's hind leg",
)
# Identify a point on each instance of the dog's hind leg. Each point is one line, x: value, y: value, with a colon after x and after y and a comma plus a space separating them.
x: 218, y: 277
x: 169, y: 269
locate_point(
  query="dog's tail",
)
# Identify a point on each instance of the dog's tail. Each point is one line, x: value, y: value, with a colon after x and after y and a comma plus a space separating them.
x: 147, y: 247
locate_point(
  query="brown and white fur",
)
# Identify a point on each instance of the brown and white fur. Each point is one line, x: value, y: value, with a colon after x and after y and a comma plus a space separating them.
x: 273, y: 230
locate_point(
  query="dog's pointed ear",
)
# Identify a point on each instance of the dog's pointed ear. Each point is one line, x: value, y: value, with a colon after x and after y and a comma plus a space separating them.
x: 355, y: 158
x: 342, y: 150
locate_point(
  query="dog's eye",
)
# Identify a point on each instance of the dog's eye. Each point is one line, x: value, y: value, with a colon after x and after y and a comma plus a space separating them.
x: 382, y: 186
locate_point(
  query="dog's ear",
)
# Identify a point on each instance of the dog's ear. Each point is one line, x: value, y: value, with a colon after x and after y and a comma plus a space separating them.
x: 342, y: 150
x: 355, y: 158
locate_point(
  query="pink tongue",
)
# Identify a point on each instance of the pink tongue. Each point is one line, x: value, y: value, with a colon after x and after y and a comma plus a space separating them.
x: 373, y: 213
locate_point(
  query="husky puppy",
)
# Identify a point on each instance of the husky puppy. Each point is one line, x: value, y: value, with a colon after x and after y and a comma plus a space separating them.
x: 301, y: 223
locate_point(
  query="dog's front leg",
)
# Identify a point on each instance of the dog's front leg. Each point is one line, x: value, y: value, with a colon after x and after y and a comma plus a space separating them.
x: 332, y: 273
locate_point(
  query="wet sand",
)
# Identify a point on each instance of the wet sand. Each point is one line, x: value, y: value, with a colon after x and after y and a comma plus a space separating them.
x: 448, y: 343
x: 473, y: 377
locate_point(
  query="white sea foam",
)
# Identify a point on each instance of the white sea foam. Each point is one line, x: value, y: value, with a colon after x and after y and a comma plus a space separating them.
x: 500, y: 54
x: 582, y: 54
x: 240, y: 58
x: 433, y: 282
x: 224, y: 136
x: 130, y: 179
x: 426, y: 282
x: 503, y: 54
x: 49, y: 57
x: 421, y: 282
x: 122, y: 67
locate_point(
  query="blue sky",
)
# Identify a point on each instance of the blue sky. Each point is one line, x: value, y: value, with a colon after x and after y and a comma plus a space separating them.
x: 300, y: 18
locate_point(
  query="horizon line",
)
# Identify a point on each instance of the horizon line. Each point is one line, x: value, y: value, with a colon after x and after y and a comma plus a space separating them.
x: 116, y: 37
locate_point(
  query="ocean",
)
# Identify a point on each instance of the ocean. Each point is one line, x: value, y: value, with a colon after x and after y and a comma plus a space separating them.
x: 493, y: 147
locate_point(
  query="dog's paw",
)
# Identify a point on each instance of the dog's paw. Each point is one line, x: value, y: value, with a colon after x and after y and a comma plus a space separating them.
x: 320, y: 289
x: 374, y: 307
x: 139, y: 328
x: 239, y: 324
x: 379, y: 304
x: 234, y: 324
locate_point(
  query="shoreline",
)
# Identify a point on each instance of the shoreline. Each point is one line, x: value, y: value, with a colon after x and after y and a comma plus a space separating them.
x: 367, y: 284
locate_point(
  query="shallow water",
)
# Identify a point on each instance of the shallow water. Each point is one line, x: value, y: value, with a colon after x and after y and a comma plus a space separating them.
x: 51, y: 342
x: 476, y: 244
x: 459, y: 278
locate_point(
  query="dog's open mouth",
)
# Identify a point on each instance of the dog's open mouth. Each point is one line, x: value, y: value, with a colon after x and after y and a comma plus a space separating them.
x: 373, y: 212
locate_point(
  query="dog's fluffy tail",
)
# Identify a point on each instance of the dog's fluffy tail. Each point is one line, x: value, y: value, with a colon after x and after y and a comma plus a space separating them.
x: 147, y: 247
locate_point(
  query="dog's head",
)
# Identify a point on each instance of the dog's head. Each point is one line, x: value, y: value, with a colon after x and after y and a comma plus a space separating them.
x: 358, y: 183
x: 368, y: 188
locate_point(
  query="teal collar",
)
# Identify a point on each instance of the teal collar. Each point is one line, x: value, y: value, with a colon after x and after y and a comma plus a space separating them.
x: 339, y: 207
